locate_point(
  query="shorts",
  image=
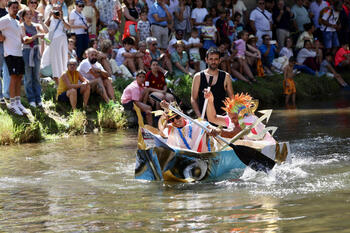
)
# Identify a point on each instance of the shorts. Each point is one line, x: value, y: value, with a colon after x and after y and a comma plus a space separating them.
x: 129, y: 105
x: 330, y: 39
x: 15, y: 65
x: 64, y: 98
x: 195, y: 57
x: 291, y: 88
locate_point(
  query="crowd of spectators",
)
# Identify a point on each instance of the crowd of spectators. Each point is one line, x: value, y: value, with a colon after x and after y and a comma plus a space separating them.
x: 94, y: 42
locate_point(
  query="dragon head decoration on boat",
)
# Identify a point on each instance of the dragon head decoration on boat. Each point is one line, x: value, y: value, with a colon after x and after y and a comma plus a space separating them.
x: 241, y: 104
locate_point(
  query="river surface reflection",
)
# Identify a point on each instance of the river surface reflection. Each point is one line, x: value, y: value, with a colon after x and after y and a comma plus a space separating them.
x: 86, y: 183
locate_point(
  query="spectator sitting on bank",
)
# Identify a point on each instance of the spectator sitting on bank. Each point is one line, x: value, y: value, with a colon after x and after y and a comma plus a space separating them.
x: 97, y: 76
x: 342, y: 57
x: 287, y: 50
x: 129, y: 56
x: 178, y: 36
x: 327, y: 68
x: 268, y: 50
x: 104, y: 56
x: 241, y: 48
x: 111, y: 33
x: 163, y: 59
x: 146, y: 56
x: 180, y: 60
x: 72, y: 54
x: 156, y: 85
x: 194, y: 43
x: 135, y: 93
x: 308, y: 34
x: 307, y: 56
x: 69, y: 87
x: 253, y: 56
x: 143, y: 27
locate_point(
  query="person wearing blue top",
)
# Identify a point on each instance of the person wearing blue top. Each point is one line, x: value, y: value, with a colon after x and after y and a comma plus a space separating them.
x: 159, y: 17
x: 268, y: 51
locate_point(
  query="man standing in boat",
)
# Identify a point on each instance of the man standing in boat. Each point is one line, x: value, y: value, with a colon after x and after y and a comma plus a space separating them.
x: 220, y: 82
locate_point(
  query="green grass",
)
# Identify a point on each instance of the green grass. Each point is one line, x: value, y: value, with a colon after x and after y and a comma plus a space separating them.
x: 77, y: 122
x: 111, y: 116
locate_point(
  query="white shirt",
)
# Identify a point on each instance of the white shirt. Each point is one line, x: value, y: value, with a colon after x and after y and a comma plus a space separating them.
x: 261, y: 22
x: 120, y: 58
x: 85, y: 67
x: 239, y: 7
x: 172, y: 6
x: 303, y: 54
x: 11, y: 29
x: 60, y: 29
x: 286, y: 52
x: 331, y: 18
x: 315, y: 9
x: 79, y: 20
x: 198, y: 14
x: 194, y: 41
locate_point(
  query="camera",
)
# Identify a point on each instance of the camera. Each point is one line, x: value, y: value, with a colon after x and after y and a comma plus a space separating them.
x: 272, y: 42
x: 56, y: 13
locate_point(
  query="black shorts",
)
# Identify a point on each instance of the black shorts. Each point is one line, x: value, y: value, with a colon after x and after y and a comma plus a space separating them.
x: 64, y: 98
x: 129, y: 105
x: 15, y: 65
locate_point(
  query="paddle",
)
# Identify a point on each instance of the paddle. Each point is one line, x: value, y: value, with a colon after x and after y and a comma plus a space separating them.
x: 249, y: 156
x: 206, y: 100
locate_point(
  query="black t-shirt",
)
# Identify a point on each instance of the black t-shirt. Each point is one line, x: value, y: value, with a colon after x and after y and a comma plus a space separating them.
x: 285, y: 21
x: 3, y: 12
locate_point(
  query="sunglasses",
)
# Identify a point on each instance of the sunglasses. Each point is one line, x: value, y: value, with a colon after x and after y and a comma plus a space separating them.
x: 154, y: 44
x: 81, y: 6
x: 175, y: 118
x: 32, y: 2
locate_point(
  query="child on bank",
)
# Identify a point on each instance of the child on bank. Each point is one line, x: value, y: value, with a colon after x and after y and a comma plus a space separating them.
x: 330, y: 72
x: 195, y: 43
x: 143, y: 27
x: 240, y: 46
x: 288, y: 82
x: 208, y: 33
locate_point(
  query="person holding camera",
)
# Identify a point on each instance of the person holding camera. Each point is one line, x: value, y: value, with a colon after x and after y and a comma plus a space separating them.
x: 268, y: 51
x: 79, y: 26
x: 56, y: 54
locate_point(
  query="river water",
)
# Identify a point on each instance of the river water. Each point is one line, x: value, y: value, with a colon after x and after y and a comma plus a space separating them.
x: 86, y: 184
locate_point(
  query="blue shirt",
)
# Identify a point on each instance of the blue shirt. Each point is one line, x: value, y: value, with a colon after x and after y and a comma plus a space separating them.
x: 157, y: 9
x: 268, y: 60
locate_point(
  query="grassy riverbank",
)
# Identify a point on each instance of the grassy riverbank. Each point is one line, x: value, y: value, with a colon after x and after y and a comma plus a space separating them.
x: 56, y: 120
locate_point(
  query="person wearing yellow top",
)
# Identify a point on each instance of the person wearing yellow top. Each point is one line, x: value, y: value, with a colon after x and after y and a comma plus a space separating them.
x: 69, y: 87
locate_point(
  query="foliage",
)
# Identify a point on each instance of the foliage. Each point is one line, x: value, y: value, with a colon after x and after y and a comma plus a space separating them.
x: 77, y: 122
x: 111, y: 116
x: 119, y: 85
x: 181, y: 87
x: 7, y: 129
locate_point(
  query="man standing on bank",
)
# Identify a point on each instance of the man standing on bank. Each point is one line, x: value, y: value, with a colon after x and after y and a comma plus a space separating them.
x: 11, y: 30
x: 221, y: 84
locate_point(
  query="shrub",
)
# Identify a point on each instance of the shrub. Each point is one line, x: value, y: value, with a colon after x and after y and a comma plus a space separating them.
x: 77, y: 122
x: 111, y: 116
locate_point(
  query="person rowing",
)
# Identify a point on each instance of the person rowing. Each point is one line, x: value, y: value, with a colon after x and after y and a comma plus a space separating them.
x: 239, y: 114
x: 182, y: 133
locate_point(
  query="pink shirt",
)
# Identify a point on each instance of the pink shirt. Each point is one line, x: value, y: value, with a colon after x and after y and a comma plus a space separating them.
x: 132, y: 92
x: 240, y: 46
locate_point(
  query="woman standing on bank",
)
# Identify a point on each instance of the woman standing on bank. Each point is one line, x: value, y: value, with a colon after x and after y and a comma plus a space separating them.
x: 31, y: 32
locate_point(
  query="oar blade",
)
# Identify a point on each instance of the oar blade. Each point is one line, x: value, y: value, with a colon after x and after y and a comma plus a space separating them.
x: 253, y: 158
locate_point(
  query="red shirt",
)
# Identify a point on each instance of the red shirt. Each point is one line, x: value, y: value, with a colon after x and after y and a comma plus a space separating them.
x: 339, y: 56
x: 155, y: 82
